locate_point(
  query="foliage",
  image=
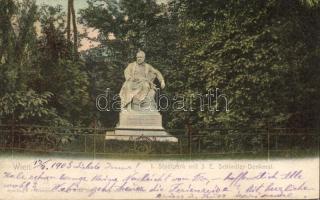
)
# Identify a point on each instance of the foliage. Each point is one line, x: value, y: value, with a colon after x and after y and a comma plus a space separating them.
x: 21, y: 101
x: 17, y: 47
x: 70, y: 95
x: 25, y: 105
x: 260, y: 54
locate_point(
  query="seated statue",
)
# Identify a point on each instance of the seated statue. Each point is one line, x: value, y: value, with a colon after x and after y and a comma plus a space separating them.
x: 138, y: 90
x: 138, y: 98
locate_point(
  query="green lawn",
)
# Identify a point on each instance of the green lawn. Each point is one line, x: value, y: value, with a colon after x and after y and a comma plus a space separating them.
x: 206, y: 156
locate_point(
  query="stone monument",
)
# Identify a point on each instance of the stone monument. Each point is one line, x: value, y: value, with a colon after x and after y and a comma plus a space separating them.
x: 139, y: 115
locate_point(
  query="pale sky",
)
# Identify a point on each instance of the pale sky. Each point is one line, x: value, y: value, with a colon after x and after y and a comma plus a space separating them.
x: 78, y: 4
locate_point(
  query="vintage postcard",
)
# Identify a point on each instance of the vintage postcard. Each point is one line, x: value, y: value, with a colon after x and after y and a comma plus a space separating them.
x: 159, y: 99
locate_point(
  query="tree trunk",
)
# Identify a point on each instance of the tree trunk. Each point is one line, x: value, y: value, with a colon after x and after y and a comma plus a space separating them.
x: 75, y: 30
x: 68, y: 20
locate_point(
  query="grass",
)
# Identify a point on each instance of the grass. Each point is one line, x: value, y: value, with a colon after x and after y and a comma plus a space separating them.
x: 96, y: 147
x: 291, y: 154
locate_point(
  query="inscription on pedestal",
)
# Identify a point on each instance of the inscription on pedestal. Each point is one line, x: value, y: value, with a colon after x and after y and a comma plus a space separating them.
x: 147, y: 120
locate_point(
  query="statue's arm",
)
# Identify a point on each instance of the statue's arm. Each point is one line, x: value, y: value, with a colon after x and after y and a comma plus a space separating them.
x: 159, y: 76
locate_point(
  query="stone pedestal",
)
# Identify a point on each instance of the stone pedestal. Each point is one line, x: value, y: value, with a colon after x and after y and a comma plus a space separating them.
x: 136, y: 124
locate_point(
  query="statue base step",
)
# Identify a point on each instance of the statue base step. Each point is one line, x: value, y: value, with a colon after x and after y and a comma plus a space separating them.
x: 138, y: 135
x: 135, y: 125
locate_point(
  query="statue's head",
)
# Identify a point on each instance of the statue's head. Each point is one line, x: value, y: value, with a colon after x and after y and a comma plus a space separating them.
x: 140, y: 57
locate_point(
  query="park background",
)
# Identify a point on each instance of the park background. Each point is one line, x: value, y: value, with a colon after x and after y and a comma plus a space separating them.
x: 263, y: 55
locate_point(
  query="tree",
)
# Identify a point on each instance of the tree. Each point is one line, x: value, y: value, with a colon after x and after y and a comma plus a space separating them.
x: 252, y: 51
x: 70, y: 88
x: 72, y: 17
x: 19, y: 102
